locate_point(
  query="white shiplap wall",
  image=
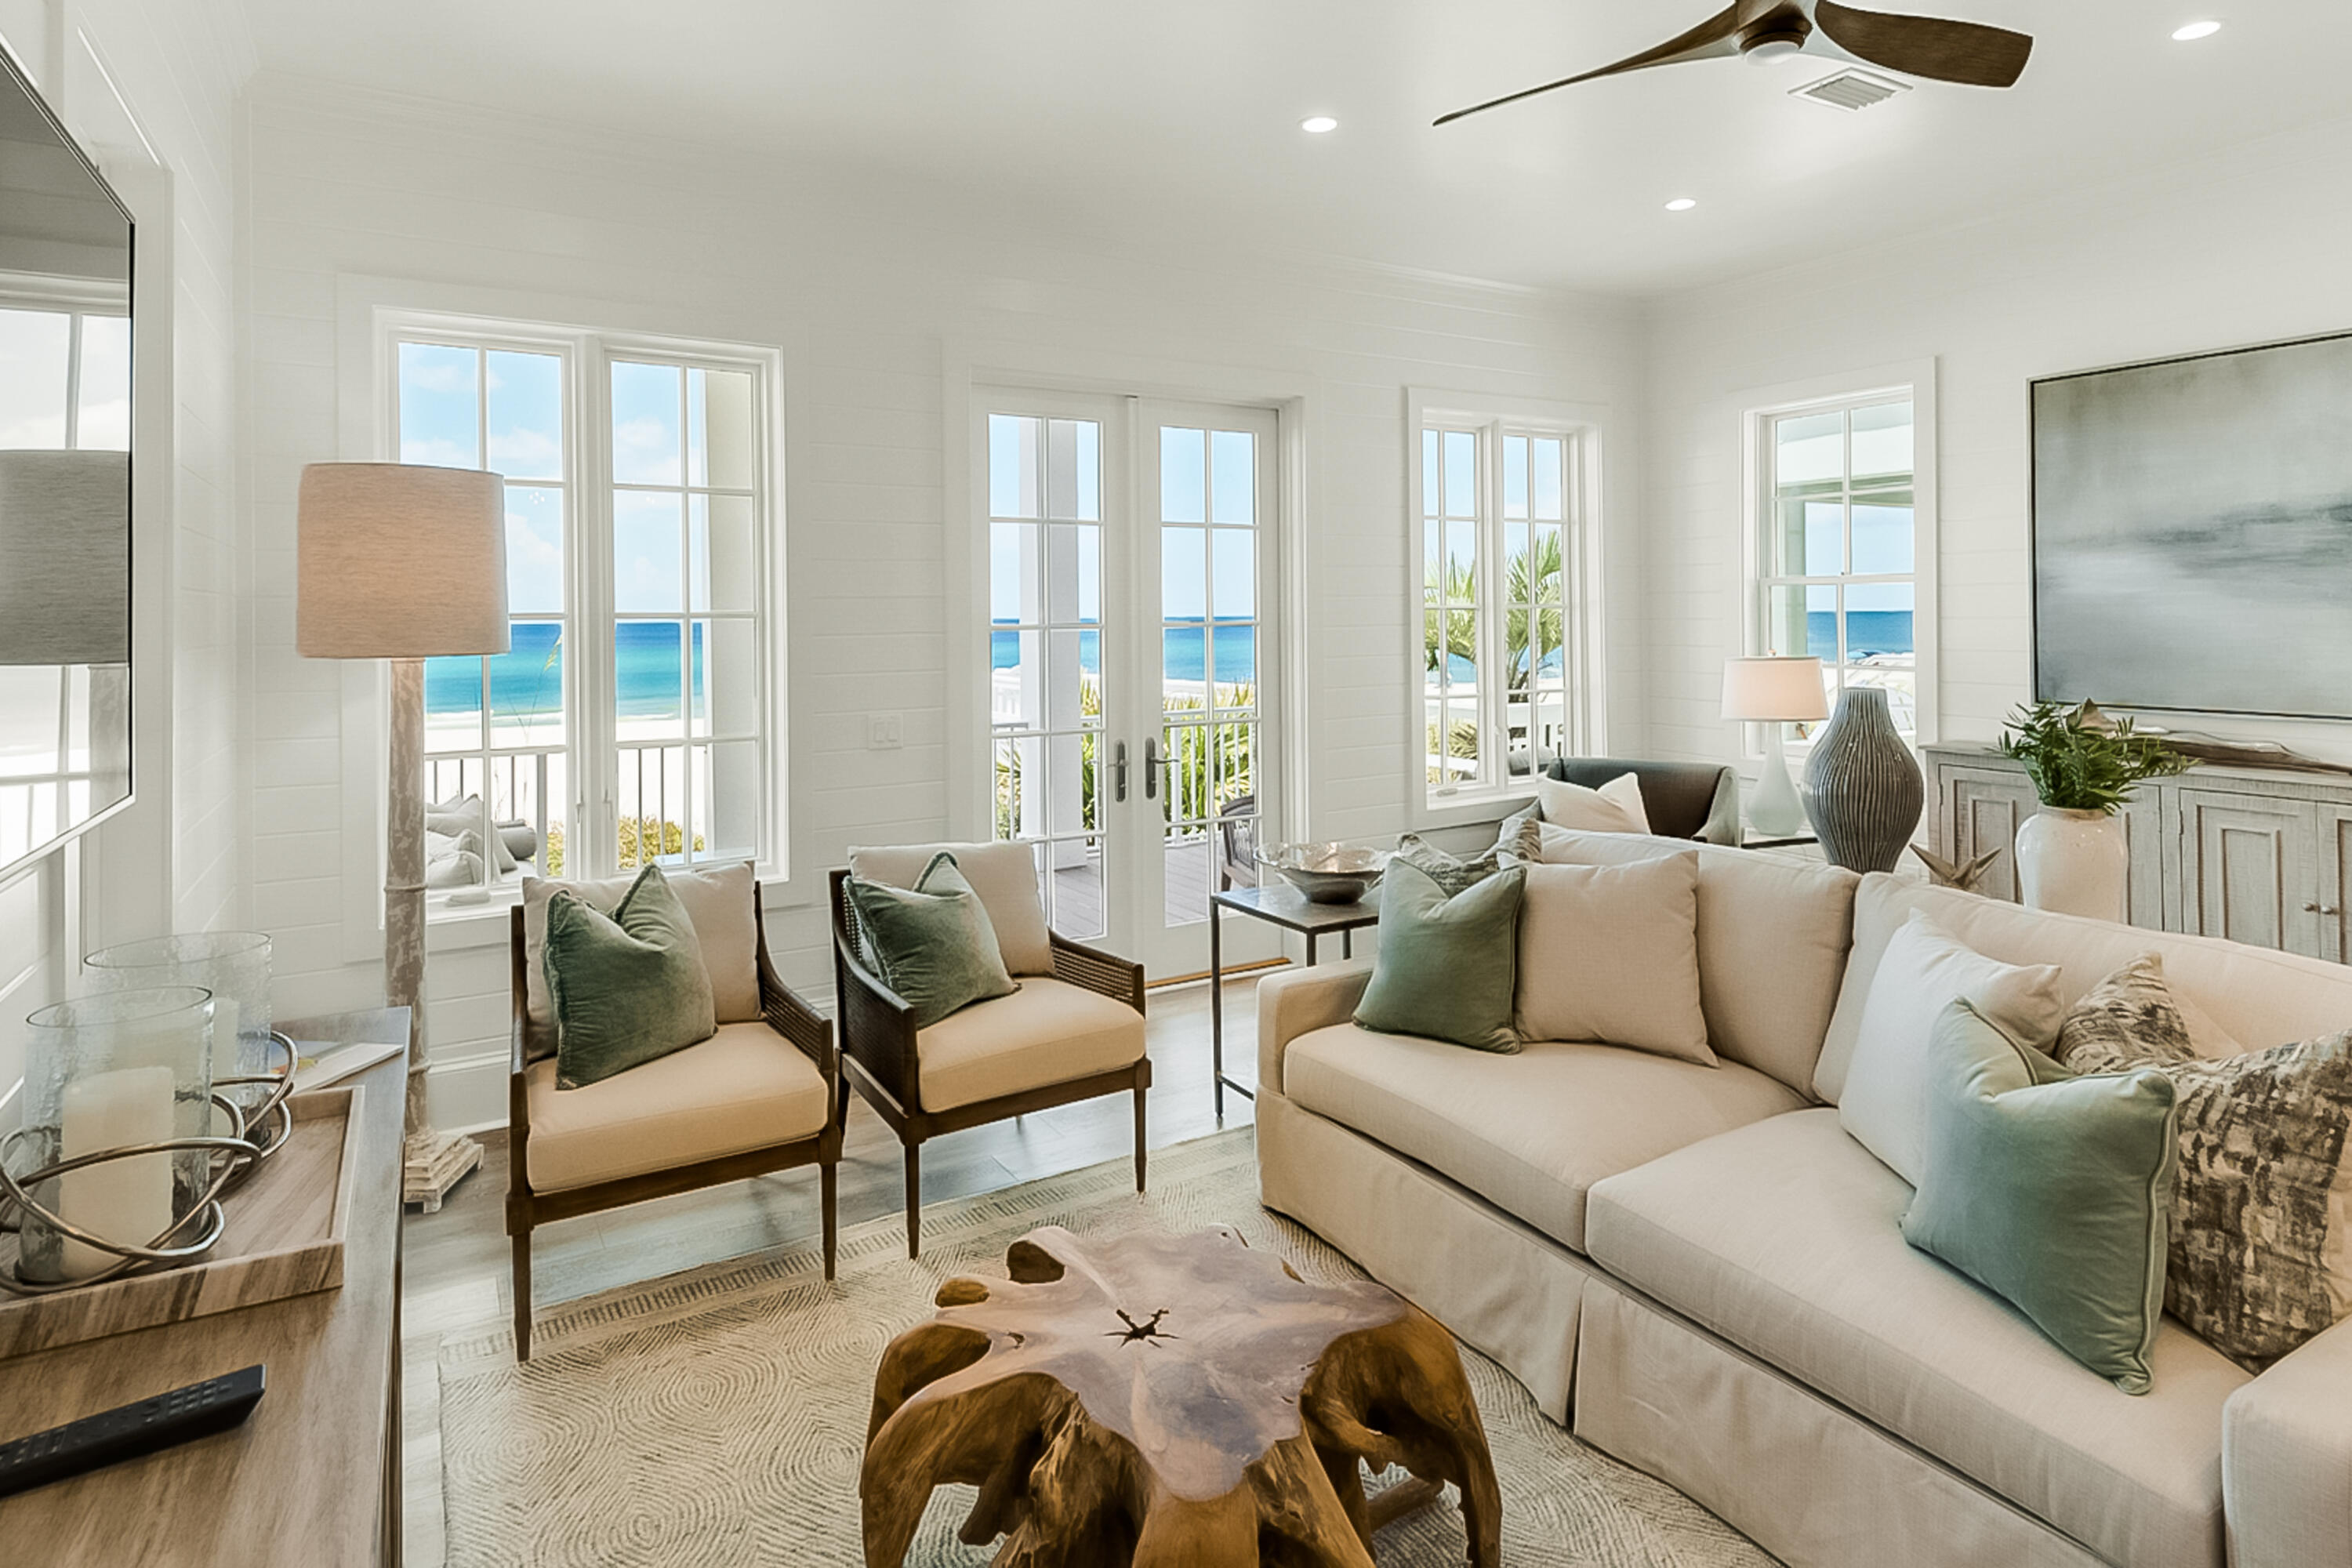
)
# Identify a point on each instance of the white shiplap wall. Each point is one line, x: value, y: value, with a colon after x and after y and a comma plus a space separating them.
x: 873, y: 288
x: 2237, y: 248
x: 149, y: 87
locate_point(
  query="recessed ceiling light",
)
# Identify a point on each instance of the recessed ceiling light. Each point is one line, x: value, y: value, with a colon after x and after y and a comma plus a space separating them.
x: 1317, y: 124
x: 1682, y: 205
x: 2194, y: 31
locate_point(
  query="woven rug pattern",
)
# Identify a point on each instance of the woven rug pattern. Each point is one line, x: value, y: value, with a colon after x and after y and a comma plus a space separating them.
x: 717, y: 1417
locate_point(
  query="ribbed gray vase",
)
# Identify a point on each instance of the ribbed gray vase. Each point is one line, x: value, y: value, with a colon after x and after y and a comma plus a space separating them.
x: 1862, y: 787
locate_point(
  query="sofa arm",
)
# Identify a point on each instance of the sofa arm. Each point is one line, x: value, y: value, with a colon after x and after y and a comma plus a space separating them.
x: 1296, y: 1002
x: 2287, y: 1459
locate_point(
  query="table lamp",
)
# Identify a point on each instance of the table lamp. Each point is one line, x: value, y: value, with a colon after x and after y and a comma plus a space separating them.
x: 1772, y: 692
x: 405, y: 562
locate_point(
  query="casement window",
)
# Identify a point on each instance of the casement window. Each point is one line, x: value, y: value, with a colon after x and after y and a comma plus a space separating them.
x: 1840, y: 541
x: 631, y: 719
x: 1507, y: 655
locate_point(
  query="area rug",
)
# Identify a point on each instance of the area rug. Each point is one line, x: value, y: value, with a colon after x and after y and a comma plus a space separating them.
x: 717, y: 1417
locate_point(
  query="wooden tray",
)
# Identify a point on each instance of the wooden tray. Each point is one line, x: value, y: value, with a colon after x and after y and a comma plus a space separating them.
x: 284, y: 1238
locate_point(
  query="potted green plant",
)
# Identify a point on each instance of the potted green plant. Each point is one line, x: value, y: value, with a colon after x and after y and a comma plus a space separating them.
x: 2072, y: 855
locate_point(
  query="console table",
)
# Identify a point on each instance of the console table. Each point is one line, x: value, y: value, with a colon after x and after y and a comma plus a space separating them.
x: 1291, y: 910
x: 313, y: 1474
x: 2260, y: 855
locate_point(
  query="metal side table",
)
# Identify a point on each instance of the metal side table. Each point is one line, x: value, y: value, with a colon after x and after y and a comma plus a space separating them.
x: 1292, y: 911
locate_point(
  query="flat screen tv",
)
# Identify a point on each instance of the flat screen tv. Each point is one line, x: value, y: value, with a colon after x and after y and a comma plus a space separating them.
x: 2192, y: 532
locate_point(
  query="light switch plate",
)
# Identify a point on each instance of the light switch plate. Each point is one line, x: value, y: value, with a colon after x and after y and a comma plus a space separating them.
x: 885, y: 731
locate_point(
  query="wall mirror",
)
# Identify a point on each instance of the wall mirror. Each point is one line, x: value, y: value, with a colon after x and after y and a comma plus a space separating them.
x: 65, y: 483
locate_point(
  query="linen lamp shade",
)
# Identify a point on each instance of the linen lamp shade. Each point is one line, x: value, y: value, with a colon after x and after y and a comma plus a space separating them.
x: 400, y: 561
x: 65, y: 557
x: 1774, y: 690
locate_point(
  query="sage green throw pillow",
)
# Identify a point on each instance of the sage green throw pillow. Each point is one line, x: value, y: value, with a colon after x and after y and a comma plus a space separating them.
x: 1447, y: 967
x: 932, y: 943
x: 2050, y: 1190
x: 628, y: 987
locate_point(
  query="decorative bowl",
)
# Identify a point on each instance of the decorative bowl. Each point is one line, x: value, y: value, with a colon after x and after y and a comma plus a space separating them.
x: 1325, y: 873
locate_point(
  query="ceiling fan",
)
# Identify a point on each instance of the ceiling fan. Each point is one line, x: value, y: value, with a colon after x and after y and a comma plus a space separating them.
x: 1766, y: 30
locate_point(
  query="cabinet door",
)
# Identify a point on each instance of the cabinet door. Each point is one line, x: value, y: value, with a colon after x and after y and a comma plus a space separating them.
x: 1983, y: 808
x: 2335, y: 883
x: 2143, y: 820
x: 2247, y: 870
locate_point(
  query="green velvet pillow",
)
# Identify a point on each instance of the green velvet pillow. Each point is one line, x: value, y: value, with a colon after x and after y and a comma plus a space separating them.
x: 628, y: 987
x: 932, y: 943
x: 2050, y: 1190
x: 1447, y: 966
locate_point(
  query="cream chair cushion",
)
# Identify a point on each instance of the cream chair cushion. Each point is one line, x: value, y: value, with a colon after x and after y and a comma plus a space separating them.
x: 1786, y: 1238
x: 718, y: 900
x: 1530, y: 1132
x: 745, y: 1088
x: 1047, y: 1032
x: 1004, y: 875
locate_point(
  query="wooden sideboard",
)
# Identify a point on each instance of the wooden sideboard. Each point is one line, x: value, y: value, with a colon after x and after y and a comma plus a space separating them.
x: 313, y: 1474
x: 2256, y: 855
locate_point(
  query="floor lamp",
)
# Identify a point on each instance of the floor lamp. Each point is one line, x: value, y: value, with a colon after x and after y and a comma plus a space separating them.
x: 400, y: 562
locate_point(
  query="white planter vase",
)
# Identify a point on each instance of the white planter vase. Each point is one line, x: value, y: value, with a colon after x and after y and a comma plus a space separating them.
x: 2074, y: 863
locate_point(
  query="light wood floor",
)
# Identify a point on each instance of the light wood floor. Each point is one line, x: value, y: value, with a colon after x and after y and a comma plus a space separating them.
x: 456, y: 1267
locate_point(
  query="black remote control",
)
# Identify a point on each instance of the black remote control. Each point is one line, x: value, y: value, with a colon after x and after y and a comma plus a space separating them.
x: 111, y: 1437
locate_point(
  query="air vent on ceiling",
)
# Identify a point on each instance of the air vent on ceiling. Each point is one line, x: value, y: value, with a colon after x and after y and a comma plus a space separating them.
x: 1851, y: 89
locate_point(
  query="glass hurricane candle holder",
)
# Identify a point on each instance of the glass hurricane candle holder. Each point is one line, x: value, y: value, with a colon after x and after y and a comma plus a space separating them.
x: 233, y: 967
x: 118, y: 1070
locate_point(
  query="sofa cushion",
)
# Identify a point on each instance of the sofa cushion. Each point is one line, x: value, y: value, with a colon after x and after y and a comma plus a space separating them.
x: 1785, y: 1238
x: 1610, y: 953
x: 1049, y: 1031
x: 1530, y: 1132
x: 745, y: 1088
x: 718, y: 899
x: 1772, y: 937
x: 2250, y: 993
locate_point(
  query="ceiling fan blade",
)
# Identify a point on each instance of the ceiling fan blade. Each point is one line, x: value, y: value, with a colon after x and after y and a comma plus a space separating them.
x: 1715, y: 35
x: 1965, y: 52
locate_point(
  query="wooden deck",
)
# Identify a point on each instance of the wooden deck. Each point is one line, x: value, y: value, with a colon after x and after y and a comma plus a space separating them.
x: 1077, y: 891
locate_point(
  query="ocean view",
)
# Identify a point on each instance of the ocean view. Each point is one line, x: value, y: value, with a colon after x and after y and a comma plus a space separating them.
x: 527, y: 679
x: 1867, y: 632
x: 1184, y: 656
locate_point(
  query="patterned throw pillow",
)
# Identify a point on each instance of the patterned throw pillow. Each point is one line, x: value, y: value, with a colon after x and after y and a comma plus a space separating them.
x: 2262, y: 1215
x: 1519, y: 843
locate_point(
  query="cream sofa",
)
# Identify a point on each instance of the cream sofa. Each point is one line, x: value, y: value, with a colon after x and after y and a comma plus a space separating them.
x: 1698, y: 1270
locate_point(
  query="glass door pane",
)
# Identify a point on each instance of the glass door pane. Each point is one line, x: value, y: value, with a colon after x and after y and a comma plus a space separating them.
x: 1045, y: 656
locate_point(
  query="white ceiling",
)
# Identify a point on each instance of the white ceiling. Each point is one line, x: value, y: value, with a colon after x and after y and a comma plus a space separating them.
x: 1180, y: 120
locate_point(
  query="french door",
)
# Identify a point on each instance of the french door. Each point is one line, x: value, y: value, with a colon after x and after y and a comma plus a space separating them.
x: 1131, y: 686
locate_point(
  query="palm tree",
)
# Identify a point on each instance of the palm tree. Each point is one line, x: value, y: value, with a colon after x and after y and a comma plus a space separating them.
x: 1533, y: 597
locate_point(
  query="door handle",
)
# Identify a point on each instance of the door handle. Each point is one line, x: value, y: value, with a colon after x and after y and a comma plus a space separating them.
x: 1118, y: 771
x: 1152, y: 760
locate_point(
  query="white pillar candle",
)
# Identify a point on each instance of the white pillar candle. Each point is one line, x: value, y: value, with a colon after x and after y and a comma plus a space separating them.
x: 127, y: 1200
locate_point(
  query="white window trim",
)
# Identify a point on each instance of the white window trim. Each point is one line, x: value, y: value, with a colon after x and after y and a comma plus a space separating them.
x: 371, y: 313
x: 1585, y: 426
x: 1757, y: 408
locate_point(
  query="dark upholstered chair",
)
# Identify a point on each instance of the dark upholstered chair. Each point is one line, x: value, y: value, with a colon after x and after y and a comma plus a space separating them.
x: 1235, y: 843
x: 754, y: 1098
x: 1069, y: 1036
x: 1683, y: 800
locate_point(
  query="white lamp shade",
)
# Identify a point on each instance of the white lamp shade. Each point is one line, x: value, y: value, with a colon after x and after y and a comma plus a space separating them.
x: 65, y: 557
x: 1774, y: 690
x: 400, y: 561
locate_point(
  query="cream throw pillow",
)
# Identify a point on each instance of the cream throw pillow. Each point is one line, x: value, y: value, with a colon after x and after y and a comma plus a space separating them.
x: 1611, y: 953
x: 1924, y: 970
x: 1615, y: 807
x: 1004, y: 877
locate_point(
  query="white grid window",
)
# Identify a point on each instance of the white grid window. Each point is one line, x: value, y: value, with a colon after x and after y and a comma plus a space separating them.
x: 1504, y: 662
x: 629, y: 722
x: 1838, y: 548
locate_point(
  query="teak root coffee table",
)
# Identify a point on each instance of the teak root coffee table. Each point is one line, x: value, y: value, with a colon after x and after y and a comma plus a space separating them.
x: 1159, y: 1400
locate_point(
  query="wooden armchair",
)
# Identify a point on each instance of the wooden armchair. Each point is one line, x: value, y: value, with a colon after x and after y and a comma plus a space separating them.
x: 754, y: 1098
x: 1070, y: 1036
